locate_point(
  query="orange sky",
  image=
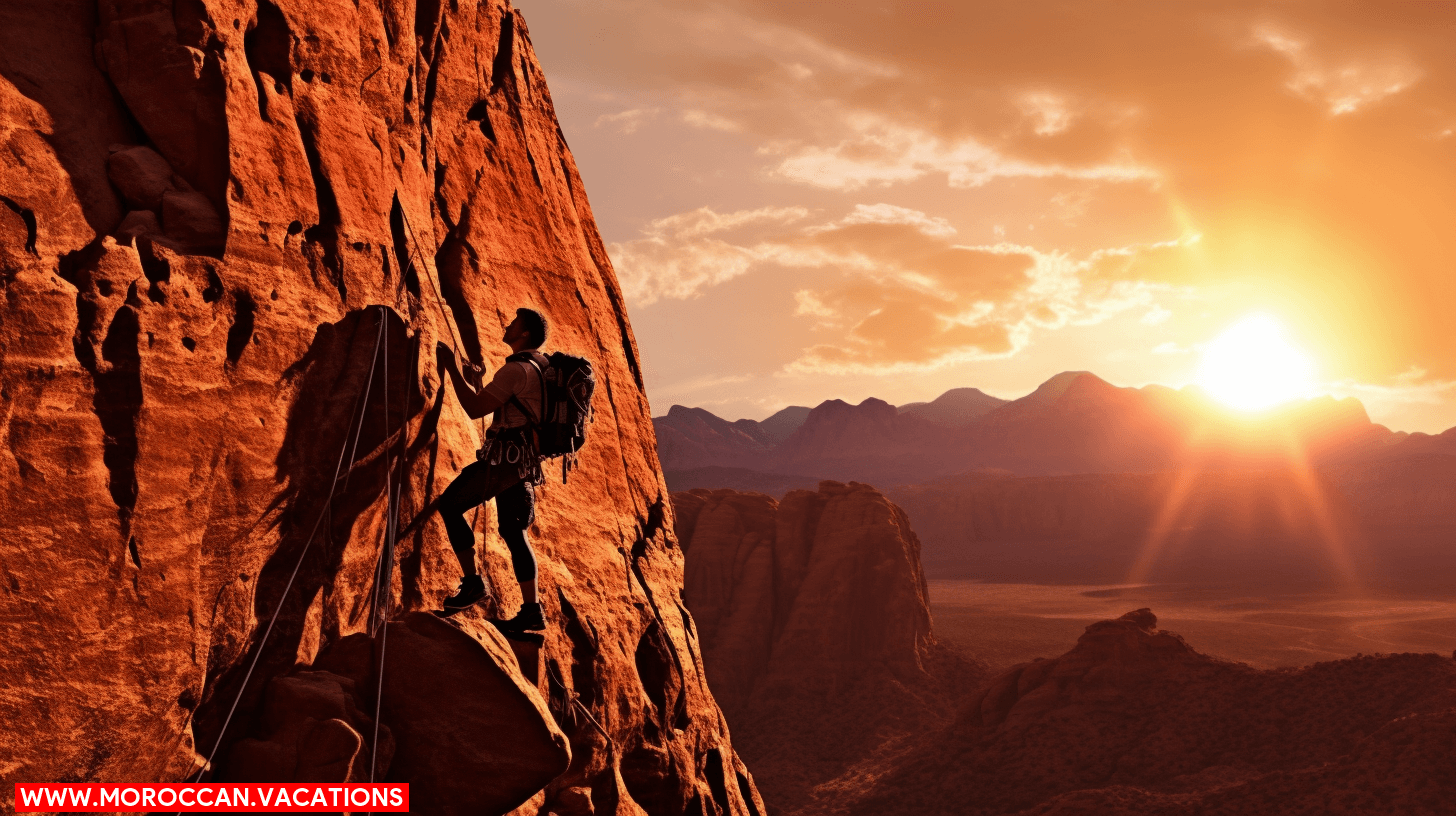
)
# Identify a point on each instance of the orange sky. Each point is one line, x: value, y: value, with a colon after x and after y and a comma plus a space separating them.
x: 810, y: 200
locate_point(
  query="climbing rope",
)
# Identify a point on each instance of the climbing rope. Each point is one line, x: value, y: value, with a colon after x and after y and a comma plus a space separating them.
x: 380, y: 597
x: 384, y: 570
x: 572, y: 698
x: 283, y: 597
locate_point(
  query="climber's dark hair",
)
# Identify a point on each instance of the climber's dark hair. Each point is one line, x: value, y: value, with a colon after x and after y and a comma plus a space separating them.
x: 534, y: 324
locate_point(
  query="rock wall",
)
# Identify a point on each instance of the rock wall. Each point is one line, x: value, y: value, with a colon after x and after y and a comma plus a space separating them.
x: 234, y: 236
x: 815, y: 624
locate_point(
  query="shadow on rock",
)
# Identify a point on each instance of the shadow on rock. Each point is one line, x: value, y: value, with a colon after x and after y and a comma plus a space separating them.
x: 354, y: 390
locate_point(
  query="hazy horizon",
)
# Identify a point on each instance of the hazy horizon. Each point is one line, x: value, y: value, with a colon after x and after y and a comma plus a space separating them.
x: 759, y: 417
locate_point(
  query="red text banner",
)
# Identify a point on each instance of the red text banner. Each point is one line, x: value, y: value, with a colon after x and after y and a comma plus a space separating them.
x: 181, y: 797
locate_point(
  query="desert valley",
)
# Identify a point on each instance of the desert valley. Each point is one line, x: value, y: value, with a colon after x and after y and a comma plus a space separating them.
x: 1300, y: 553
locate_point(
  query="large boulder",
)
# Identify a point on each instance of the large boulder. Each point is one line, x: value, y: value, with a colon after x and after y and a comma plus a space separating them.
x: 473, y: 735
x: 313, y: 731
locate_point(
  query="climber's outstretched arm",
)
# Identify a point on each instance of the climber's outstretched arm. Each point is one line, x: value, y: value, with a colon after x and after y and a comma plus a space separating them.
x: 476, y: 403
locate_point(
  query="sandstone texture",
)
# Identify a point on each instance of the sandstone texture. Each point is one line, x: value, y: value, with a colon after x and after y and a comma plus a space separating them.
x: 235, y: 235
x: 1134, y: 721
x: 815, y: 625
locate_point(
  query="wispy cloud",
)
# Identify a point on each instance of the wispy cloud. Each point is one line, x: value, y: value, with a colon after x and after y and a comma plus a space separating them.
x: 628, y: 121
x: 903, y: 296
x: 1345, y: 83
x: 881, y: 151
x: 681, y: 255
x: 1413, y: 387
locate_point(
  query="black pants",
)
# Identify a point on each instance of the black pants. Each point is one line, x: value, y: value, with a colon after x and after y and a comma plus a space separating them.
x: 515, y: 509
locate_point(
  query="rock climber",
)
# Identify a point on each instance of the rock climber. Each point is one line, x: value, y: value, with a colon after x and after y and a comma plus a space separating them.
x: 507, y: 467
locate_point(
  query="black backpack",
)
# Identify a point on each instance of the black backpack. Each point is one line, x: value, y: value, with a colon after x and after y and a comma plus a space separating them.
x: 567, y: 384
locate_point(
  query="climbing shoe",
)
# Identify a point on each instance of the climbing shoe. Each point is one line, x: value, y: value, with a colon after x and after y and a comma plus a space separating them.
x: 472, y: 589
x: 527, y: 620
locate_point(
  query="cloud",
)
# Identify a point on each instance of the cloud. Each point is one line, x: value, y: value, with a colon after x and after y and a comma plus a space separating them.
x: 1048, y: 112
x: 628, y: 121
x: 906, y: 304
x: 891, y: 214
x: 901, y: 293
x: 1414, y: 387
x: 1155, y: 316
x: 683, y: 254
x: 1296, y: 153
x: 1345, y: 84
x: 880, y: 151
x: 710, y: 121
x: 1176, y: 261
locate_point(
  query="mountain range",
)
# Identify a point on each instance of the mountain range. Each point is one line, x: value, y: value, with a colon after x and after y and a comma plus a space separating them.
x: 1074, y: 422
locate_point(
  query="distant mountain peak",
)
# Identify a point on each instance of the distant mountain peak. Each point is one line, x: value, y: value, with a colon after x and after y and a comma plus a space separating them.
x: 783, y: 423
x: 956, y: 407
x: 682, y: 411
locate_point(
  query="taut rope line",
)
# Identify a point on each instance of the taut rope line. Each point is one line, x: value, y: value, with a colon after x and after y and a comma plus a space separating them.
x: 283, y: 597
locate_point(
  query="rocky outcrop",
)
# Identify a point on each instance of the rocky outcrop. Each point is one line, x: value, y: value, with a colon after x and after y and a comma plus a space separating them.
x: 1134, y: 721
x: 313, y: 731
x: 740, y: 479
x: 1108, y: 663
x: 815, y: 625
x: 234, y: 238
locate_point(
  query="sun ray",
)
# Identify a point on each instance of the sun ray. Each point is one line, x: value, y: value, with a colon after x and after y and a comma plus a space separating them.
x: 1171, y: 510
x: 1331, y: 533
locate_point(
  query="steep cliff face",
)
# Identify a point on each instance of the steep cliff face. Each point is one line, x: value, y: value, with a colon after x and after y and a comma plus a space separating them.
x: 234, y: 235
x: 815, y: 625
x: 1133, y: 720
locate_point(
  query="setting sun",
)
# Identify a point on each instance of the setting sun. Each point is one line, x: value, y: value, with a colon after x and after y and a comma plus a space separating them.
x: 1252, y: 366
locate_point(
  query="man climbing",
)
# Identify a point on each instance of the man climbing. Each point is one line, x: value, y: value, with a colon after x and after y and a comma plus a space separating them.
x: 507, y: 468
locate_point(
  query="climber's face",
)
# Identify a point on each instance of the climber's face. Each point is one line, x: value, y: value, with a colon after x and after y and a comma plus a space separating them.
x: 515, y: 333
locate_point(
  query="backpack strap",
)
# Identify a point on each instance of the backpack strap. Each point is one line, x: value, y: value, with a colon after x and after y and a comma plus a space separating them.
x: 529, y: 357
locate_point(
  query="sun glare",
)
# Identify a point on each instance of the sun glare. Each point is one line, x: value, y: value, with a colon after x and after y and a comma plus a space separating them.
x: 1252, y: 366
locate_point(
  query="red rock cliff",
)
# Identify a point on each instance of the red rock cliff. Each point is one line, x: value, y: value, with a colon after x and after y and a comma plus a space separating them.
x: 815, y: 624
x: 233, y: 234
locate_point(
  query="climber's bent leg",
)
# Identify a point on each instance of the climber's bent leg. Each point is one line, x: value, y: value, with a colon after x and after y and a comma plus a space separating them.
x: 466, y: 492
x: 515, y: 509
